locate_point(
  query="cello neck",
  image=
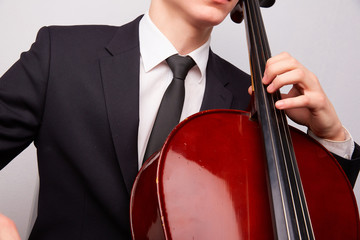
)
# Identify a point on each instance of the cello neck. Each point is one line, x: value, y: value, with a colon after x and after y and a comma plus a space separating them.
x: 291, y: 219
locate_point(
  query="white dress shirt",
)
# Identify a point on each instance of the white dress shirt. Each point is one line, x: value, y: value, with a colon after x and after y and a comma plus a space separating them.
x: 155, y: 76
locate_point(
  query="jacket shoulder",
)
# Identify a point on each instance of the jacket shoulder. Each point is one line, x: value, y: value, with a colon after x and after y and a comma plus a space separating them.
x: 231, y: 70
x: 79, y: 34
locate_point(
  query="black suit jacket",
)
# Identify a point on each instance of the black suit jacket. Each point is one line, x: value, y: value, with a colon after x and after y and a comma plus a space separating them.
x: 76, y: 95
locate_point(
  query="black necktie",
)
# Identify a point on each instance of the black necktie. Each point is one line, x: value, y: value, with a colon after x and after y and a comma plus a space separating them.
x: 171, y: 104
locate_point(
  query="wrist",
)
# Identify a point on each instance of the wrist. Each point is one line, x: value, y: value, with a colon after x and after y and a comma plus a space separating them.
x: 339, y: 134
x: 334, y: 133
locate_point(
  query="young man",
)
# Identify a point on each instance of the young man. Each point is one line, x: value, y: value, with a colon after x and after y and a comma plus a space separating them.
x: 88, y: 96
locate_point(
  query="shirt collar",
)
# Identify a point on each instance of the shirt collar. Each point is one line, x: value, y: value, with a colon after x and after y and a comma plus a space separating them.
x: 155, y: 47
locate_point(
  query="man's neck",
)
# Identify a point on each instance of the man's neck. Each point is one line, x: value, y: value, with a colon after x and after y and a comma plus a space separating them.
x: 184, y: 36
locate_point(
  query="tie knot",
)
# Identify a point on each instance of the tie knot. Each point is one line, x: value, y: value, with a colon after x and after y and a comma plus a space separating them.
x: 180, y: 65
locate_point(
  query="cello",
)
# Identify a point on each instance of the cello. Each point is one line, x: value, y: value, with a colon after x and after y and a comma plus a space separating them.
x: 229, y: 174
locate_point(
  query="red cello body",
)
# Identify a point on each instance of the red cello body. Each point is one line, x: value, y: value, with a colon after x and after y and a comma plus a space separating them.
x: 222, y: 175
x: 210, y: 182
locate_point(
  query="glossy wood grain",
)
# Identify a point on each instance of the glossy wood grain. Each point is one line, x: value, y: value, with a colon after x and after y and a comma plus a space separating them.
x: 209, y: 182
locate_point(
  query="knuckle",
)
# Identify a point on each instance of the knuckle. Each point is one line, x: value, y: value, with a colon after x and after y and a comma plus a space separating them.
x: 270, y: 69
x: 293, y: 61
x: 286, y: 55
x: 269, y: 62
x: 278, y: 80
x: 300, y: 73
x: 315, y: 79
x: 306, y: 100
x: 321, y: 99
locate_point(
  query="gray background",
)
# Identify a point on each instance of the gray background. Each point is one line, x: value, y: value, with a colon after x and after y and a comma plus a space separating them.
x: 322, y: 34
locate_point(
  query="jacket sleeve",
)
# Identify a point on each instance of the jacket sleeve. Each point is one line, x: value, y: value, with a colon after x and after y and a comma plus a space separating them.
x: 351, y: 167
x: 22, y: 98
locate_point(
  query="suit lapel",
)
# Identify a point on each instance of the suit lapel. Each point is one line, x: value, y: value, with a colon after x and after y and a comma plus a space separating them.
x: 216, y: 96
x: 120, y: 76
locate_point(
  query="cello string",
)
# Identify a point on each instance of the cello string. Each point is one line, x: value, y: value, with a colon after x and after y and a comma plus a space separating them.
x: 286, y: 144
x: 261, y: 91
x: 283, y: 134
